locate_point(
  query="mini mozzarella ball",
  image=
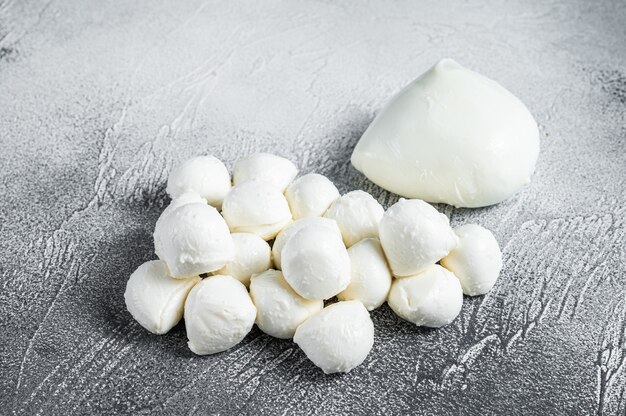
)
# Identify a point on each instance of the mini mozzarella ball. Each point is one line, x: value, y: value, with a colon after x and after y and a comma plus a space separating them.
x: 310, y: 195
x: 267, y: 167
x: 218, y: 315
x: 357, y: 214
x: 338, y: 338
x: 279, y: 309
x: 154, y: 298
x: 294, y: 227
x: 414, y: 235
x: 370, y: 276
x: 256, y: 207
x: 252, y: 255
x: 316, y: 263
x: 476, y: 260
x: 432, y: 298
x: 204, y: 175
x: 193, y: 239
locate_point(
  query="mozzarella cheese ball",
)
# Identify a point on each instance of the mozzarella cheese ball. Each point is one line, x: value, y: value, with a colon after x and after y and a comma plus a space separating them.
x: 432, y: 298
x: 204, y: 175
x: 267, y: 167
x: 218, y: 315
x: 292, y: 228
x: 338, y: 338
x: 252, y: 255
x: 370, y: 276
x: 310, y: 195
x: 476, y: 260
x: 279, y: 309
x: 256, y: 207
x: 357, y: 214
x: 316, y: 263
x: 193, y: 239
x: 414, y: 235
x: 154, y: 298
x: 451, y: 136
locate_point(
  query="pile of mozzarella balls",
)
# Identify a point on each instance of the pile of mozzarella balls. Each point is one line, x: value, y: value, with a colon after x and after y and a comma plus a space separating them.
x: 269, y: 248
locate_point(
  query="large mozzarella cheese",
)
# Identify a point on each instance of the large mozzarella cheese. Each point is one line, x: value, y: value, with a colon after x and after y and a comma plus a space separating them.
x: 476, y: 260
x: 256, y: 207
x: 310, y: 195
x: 431, y: 298
x: 414, y: 235
x: 315, y: 262
x: 154, y: 298
x: 252, y: 255
x: 370, y: 278
x: 357, y: 214
x: 338, y: 338
x: 193, y: 239
x: 451, y: 136
x: 279, y: 308
x: 218, y: 315
x: 292, y: 228
x: 267, y: 167
x: 205, y: 176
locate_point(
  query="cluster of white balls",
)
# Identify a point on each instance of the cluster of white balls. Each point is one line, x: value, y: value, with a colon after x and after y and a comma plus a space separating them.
x: 218, y: 270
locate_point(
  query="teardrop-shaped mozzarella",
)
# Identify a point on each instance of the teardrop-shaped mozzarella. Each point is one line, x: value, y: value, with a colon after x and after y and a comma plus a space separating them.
x: 451, y: 136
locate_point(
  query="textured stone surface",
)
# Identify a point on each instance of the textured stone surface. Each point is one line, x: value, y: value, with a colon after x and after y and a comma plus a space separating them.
x: 99, y: 100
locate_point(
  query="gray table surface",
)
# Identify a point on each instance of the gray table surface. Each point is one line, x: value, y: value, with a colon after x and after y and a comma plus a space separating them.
x: 98, y: 100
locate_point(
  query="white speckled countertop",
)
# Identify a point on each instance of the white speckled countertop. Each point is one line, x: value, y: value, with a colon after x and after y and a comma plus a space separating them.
x: 98, y: 100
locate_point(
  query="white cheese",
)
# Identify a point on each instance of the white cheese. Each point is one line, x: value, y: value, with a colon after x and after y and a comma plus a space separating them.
x: 279, y: 309
x: 451, y: 136
x: 431, y: 298
x: 370, y: 276
x: 357, y: 214
x: 154, y: 298
x: 256, y: 207
x: 310, y: 195
x: 193, y: 239
x: 338, y: 338
x: 205, y: 176
x: 476, y: 260
x: 218, y: 315
x: 414, y: 235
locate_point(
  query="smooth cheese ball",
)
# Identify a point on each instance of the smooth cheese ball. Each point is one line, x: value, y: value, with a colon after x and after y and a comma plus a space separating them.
x: 252, y: 255
x: 310, y: 195
x: 451, y: 136
x: 370, y: 275
x: 357, y: 214
x: 476, y: 260
x: 287, y: 232
x: 192, y: 240
x: 256, y: 207
x: 279, y: 309
x: 338, y: 338
x: 154, y: 298
x: 315, y: 263
x: 205, y: 176
x: 414, y: 235
x: 432, y: 298
x: 218, y: 315
x: 267, y: 167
